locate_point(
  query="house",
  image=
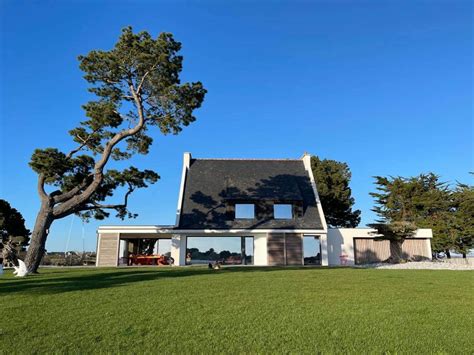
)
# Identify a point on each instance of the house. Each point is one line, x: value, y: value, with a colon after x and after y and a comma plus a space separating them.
x: 250, y: 212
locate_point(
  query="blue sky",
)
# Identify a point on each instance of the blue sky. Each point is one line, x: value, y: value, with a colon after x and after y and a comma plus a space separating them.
x: 385, y: 86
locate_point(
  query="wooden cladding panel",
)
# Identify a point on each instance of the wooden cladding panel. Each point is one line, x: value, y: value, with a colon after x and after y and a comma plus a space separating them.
x: 108, y: 250
x: 415, y: 249
x: 371, y: 251
x: 374, y: 251
x: 294, y: 249
x: 276, y: 249
x: 284, y: 249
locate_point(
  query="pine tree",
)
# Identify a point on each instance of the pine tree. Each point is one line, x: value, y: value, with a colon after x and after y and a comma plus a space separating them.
x: 137, y: 88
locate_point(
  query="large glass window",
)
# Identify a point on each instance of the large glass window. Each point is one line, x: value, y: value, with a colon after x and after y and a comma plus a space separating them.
x: 163, y: 247
x: 227, y: 250
x: 311, y: 250
x: 145, y: 251
x: 244, y: 210
x: 282, y: 211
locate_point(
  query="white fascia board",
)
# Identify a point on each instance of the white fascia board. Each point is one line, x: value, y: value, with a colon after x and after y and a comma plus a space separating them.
x: 186, y: 164
x: 307, y: 164
x: 424, y: 233
x: 170, y: 229
x: 357, y: 228
x: 136, y: 229
x: 243, y: 231
x: 370, y: 233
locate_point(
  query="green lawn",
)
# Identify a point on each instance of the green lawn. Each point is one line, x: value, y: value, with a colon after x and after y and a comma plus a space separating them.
x: 237, y: 310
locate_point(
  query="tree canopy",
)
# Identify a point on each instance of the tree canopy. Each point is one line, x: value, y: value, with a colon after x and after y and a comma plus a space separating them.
x: 463, y: 211
x: 332, y: 179
x: 12, y: 225
x: 137, y: 88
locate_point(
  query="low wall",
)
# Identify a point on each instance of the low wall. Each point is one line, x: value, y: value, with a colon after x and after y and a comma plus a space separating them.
x: 460, y: 261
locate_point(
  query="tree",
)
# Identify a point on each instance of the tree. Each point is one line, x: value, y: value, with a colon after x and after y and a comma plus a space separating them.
x: 12, y: 225
x: 13, y: 232
x: 332, y: 179
x: 421, y: 202
x: 137, y: 88
x: 397, y: 201
x: 432, y: 207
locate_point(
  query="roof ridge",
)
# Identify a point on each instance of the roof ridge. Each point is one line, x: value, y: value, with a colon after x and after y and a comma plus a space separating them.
x: 247, y: 159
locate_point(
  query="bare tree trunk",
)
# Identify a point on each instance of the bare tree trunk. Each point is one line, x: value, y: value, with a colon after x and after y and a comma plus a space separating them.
x: 10, y: 254
x: 36, y: 250
x: 395, y: 251
x: 448, y: 254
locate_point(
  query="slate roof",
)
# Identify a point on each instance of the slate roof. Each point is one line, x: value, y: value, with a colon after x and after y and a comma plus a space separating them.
x: 212, y: 185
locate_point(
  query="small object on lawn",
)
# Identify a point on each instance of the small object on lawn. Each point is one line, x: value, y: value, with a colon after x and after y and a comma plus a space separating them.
x: 343, y: 258
x: 21, y: 270
x: 215, y: 266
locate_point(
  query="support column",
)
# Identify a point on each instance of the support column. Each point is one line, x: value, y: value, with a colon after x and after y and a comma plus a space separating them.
x: 323, y: 240
x: 178, y: 249
x: 260, y: 252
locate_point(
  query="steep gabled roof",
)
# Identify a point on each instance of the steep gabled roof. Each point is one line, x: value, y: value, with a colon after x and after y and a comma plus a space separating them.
x: 212, y: 184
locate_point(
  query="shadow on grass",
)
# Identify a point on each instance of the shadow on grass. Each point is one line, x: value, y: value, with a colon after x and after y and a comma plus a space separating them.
x: 65, y: 280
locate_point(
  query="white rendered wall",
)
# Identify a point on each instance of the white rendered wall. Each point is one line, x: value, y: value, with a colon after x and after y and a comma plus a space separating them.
x: 324, y: 240
x: 178, y: 249
x: 341, y: 242
x: 260, y: 249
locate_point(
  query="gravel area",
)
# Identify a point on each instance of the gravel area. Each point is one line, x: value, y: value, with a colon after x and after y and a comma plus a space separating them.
x: 422, y: 265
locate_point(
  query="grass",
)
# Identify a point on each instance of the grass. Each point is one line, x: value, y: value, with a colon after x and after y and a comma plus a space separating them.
x: 237, y: 310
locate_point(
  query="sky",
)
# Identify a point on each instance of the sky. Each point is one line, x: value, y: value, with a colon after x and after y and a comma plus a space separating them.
x: 385, y: 86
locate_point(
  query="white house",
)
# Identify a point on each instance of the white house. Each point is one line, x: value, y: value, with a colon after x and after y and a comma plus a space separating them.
x: 251, y: 212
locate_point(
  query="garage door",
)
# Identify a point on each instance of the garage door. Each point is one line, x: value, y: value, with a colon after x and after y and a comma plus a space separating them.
x: 371, y: 251
x: 374, y: 251
x: 415, y: 249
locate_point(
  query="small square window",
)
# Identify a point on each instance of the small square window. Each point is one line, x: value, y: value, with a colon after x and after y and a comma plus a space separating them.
x: 282, y: 211
x: 245, y: 210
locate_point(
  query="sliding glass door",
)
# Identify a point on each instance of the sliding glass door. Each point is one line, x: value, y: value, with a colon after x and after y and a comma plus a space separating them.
x: 311, y: 250
x: 227, y: 250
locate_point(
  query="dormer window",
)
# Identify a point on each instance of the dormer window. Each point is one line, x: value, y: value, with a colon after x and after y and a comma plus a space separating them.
x: 282, y: 211
x: 244, y: 211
